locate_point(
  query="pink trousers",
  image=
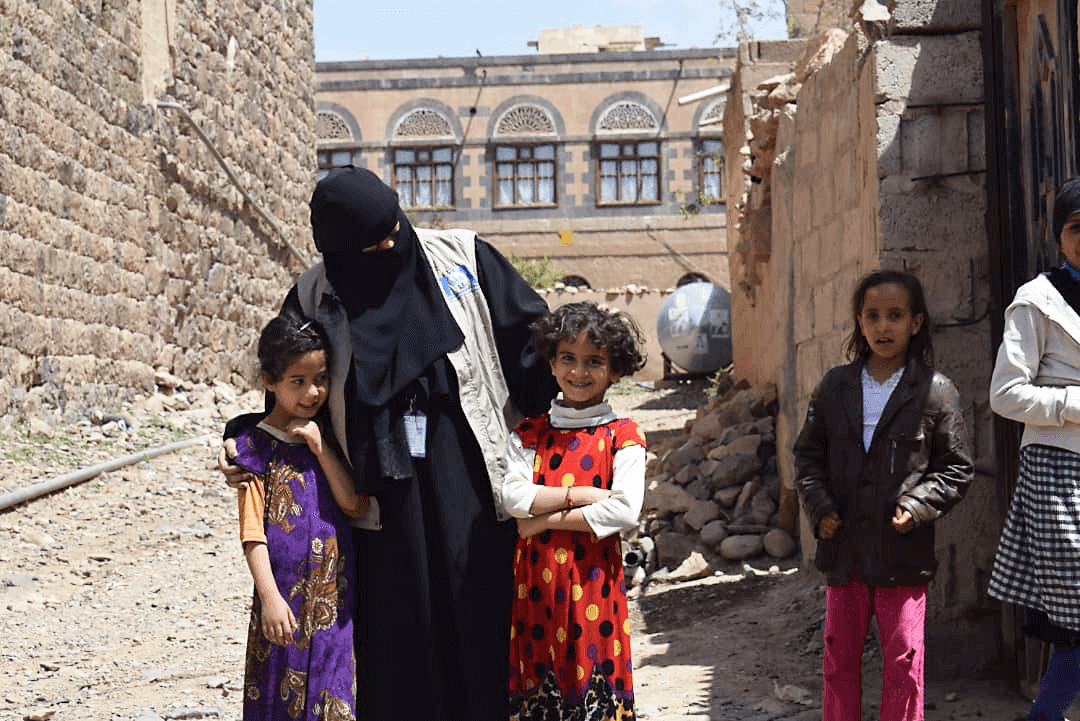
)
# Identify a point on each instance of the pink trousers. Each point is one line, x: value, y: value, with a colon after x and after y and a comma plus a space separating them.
x: 901, y: 618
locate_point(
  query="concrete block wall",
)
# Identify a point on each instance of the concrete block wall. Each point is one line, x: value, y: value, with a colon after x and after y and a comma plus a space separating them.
x: 933, y: 16
x: 125, y: 249
x: 932, y: 152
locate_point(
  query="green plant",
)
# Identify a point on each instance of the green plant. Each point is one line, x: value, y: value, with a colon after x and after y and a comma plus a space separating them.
x: 537, y: 273
x: 625, y: 387
x: 693, y: 208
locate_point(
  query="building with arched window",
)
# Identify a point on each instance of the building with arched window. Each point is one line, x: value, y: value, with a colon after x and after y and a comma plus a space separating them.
x: 587, y: 159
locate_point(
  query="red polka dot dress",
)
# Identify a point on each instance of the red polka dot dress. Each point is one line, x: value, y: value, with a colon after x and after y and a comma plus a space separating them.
x: 570, y: 640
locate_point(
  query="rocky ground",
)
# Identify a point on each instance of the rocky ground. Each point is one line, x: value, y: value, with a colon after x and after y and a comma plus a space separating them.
x: 125, y: 596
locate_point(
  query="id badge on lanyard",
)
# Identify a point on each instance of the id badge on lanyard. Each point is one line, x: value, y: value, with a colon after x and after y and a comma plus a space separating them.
x: 416, y: 430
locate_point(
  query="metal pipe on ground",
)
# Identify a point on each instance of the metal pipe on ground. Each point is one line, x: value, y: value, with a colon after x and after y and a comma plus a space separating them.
x: 84, y: 474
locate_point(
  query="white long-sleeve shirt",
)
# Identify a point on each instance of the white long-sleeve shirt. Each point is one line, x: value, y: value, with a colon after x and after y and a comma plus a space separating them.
x: 616, y: 513
x: 1036, y: 377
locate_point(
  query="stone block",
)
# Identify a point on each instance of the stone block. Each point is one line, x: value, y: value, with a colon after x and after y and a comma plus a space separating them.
x: 673, y: 548
x: 748, y: 444
x: 889, y: 148
x: 929, y: 215
x: 727, y: 496
x: 735, y: 470
x: 925, y: 16
x: 701, y: 513
x: 761, y: 508
x: 667, y: 498
x: 934, y: 141
x: 713, y: 533
x: 741, y: 547
x: 930, y: 70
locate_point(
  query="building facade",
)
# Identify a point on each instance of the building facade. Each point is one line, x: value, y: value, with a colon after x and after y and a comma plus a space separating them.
x: 586, y: 159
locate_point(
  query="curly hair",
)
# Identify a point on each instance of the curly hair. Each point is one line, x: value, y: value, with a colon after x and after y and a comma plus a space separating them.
x: 921, y: 348
x: 615, y: 331
x: 284, y: 339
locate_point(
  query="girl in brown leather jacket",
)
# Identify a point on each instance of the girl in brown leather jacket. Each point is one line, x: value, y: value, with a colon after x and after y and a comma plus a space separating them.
x: 880, y: 458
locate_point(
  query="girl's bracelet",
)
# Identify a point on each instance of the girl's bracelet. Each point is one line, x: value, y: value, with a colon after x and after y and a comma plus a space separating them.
x: 569, y: 505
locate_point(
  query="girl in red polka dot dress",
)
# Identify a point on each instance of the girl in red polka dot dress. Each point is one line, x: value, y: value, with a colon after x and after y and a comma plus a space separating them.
x: 577, y: 479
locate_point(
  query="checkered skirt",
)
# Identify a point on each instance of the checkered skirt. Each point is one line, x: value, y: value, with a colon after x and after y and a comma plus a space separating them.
x: 1037, y: 564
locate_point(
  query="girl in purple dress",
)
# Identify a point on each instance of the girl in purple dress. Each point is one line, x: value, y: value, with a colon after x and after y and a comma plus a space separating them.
x: 300, y: 660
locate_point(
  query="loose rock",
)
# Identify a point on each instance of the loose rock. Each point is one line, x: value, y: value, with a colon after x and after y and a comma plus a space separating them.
x: 778, y: 543
x: 738, y: 548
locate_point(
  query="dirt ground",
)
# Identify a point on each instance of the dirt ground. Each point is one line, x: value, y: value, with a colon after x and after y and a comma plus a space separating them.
x: 125, y: 597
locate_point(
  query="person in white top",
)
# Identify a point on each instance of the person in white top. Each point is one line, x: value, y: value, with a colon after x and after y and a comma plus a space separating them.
x: 1036, y: 382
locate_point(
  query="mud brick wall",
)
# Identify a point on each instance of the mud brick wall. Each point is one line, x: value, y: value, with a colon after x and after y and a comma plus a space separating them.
x: 124, y: 247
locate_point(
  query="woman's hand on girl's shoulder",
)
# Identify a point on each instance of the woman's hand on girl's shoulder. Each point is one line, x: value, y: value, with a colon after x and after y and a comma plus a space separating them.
x: 236, y: 476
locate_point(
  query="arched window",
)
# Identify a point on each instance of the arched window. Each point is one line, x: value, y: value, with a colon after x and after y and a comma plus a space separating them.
x: 337, y: 138
x: 423, y: 142
x: 710, y: 153
x: 628, y: 154
x: 525, y: 157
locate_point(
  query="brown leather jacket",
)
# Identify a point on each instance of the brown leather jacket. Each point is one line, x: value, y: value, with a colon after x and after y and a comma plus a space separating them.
x: 918, y: 459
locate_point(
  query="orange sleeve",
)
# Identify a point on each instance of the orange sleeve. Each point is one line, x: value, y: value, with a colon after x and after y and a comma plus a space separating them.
x: 251, y: 499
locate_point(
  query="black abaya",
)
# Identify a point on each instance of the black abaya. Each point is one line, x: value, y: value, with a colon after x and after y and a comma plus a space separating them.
x: 435, y: 582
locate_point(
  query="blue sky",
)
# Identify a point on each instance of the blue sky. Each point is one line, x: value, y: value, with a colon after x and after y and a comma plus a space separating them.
x: 357, y: 29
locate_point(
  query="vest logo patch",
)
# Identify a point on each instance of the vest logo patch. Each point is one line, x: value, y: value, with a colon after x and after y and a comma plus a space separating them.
x: 458, y: 282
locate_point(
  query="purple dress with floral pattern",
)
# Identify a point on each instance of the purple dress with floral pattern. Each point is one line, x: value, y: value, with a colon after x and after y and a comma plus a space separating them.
x: 310, y: 547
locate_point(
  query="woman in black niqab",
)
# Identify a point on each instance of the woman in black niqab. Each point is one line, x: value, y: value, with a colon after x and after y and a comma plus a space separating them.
x: 398, y: 320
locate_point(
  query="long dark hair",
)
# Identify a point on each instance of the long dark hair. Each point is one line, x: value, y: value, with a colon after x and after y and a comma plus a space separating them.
x: 284, y: 339
x: 920, y: 347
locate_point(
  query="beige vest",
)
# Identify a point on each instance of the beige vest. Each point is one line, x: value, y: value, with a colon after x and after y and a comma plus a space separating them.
x: 482, y: 389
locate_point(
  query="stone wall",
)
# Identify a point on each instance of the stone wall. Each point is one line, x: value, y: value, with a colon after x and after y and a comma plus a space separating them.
x: 878, y: 161
x: 931, y: 164
x: 126, y: 247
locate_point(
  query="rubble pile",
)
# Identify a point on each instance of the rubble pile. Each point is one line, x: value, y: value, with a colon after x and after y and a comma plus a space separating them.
x: 712, y: 492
